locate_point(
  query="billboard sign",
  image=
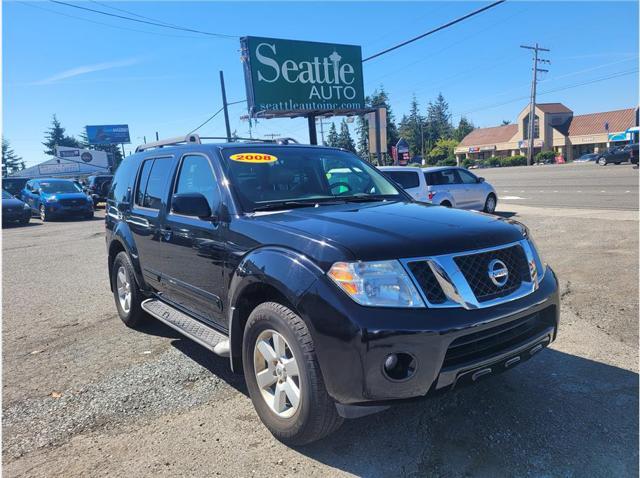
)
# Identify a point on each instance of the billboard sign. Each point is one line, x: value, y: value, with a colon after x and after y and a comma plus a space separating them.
x: 58, y: 168
x: 288, y: 76
x: 108, y: 134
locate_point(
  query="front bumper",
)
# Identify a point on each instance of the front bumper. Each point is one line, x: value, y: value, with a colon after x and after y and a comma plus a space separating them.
x: 60, y: 210
x: 450, y: 347
x: 15, y: 214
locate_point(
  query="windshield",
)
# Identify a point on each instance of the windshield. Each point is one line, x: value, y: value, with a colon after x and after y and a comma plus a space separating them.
x: 59, y: 187
x: 6, y: 195
x: 264, y: 176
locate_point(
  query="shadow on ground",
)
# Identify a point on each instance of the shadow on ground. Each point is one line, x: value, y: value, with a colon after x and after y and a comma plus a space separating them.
x: 557, y: 415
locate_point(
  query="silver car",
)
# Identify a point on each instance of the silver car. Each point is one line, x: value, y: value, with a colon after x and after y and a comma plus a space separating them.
x: 446, y: 186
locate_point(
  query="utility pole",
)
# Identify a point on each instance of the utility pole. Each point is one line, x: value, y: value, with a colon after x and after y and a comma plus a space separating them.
x: 320, y: 120
x: 532, y: 104
x: 272, y: 135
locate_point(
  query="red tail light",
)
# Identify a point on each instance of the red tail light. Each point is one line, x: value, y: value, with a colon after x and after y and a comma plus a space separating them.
x: 431, y: 195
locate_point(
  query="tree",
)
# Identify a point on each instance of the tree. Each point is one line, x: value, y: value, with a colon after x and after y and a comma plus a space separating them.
x: 332, y: 137
x: 362, y: 142
x: 464, y: 128
x: 438, y: 122
x: 55, y: 137
x: 345, y: 141
x: 443, y: 150
x: 110, y: 149
x: 11, y: 162
x: 411, y: 128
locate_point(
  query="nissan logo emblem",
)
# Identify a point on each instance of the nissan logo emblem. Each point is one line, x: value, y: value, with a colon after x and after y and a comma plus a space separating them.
x: 498, y: 272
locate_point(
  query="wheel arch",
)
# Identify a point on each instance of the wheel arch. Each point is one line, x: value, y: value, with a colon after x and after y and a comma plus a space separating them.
x: 267, y: 274
x: 122, y: 241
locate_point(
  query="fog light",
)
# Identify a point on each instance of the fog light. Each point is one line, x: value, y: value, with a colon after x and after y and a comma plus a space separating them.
x: 399, y: 366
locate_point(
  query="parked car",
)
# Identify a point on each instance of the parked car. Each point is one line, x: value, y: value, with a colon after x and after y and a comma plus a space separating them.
x: 632, y: 151
x: 98, y: 187
x: 52, y: 198
x: 14, y: 210
x: 587, y: 157
x: 615, y: 155
x: 14, y: 185
x: 448, y: 186
x: 334, y: 294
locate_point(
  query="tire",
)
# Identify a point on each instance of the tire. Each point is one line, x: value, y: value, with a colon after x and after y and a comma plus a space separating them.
x: 445, y: 204
x: 89, y: 215
x: 25, y: 220
x: 315, y: 415
x: 490, y: 204
x: 134, y: 315
x: 44, y: 217
x: 602, y: 161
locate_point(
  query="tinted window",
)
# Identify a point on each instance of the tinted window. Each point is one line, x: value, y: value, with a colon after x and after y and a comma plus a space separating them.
x: 442, y: 178
x: 406, y: 179
x: 122, y: 181
x: 152, y: 183
x: 467, y: 177
x: 142, y: 181
x: 58, y: 187
x: 196, y: 176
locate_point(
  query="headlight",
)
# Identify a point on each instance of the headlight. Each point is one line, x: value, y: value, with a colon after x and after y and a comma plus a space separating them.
x: 379, y: 284
x: 51, y: 199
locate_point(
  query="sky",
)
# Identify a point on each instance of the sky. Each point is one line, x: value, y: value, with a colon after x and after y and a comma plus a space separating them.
x: 92, y: 69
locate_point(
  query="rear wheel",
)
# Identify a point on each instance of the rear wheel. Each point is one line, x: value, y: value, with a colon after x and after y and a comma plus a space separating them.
x: 445, y: 204
x: 126, y: 292
x: 283, y: 376
x: 490, y: 204
x: 602, y: 161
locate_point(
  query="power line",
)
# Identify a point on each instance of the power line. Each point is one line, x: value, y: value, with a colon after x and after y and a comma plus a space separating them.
x: 430, y: 32
x: 214, y: 115
x: 105, y: 5
x: 532, y: 105
x: 154, y: 23
x: 33, y: 5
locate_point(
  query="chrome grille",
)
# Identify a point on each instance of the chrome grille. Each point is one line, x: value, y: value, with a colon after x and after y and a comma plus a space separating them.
x: 475, y: 268
x: 427, y: 281
x: 72, y: 202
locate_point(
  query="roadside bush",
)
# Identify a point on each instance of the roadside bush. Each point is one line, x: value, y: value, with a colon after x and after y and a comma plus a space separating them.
x: 544, y: 156
x: 466, y: 163
x: 447, y: 162
x: 518, y: 160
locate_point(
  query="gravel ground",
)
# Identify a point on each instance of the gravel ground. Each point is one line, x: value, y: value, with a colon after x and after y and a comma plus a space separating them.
x: 85, y: 396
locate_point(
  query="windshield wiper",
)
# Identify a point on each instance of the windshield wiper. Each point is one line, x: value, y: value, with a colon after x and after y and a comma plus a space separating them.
x: 272, y: 206
x: 366, y: 198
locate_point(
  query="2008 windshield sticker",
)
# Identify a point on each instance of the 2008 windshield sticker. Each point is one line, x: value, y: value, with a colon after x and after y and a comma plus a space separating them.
x: 253, y: 158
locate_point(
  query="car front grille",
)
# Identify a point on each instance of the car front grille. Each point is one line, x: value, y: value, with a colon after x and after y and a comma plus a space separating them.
x: 494, y: 340
x: 427, y: 281
x: 72, y: 202
x: 475, y: 268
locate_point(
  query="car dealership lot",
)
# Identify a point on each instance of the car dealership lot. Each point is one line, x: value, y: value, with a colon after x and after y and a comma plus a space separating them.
x: 84, y: 395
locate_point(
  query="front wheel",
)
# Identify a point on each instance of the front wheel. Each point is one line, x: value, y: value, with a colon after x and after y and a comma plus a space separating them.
x: 490, y: 204
x: 602, y: 161
x: 44, y: 216
x: 283, y: 376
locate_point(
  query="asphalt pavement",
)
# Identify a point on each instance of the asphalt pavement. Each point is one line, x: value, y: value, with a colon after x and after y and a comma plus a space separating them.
x: 83, y: 395
x: 574, y: 185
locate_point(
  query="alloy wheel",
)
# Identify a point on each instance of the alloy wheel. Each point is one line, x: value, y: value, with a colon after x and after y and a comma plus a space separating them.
x: 123, y: 286
x: 277, y: 375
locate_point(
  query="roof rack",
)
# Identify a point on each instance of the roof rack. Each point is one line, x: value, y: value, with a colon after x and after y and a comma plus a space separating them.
x: 196, y: 139
x: 190, y: 138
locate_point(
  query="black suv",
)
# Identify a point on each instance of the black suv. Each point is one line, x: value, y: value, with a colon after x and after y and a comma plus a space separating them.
x: 98, y: 187
x: 615, y: 155
x: 324, y: 283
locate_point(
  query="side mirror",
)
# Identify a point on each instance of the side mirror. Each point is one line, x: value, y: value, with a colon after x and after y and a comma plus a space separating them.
x: 191, y: 204
x: 481, y: 180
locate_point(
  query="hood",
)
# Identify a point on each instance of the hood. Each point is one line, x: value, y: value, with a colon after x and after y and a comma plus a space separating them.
x: 383, y: 230
x: 59, y: 196
x: 11, y: 202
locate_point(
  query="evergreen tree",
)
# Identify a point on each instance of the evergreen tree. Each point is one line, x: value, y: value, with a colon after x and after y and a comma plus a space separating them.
x: 345, y: 141
x: 83, y: 142
x: 56, y: 137
x: 411, y: 128
x: 11, y: 162
x: 332, y: 137
x: 438, y: 120
x: 464, y: 128
x: 362, y: 143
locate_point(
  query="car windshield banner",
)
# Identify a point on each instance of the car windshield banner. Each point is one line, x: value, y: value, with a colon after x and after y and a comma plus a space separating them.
x: 287, y: 76
x: 108, y: 134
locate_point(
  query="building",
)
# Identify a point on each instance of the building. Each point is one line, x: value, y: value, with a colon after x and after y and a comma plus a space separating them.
x: 556, y: 128
x: 70, y: 163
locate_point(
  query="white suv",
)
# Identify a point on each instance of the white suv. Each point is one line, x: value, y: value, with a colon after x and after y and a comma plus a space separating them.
x: 446, y: 186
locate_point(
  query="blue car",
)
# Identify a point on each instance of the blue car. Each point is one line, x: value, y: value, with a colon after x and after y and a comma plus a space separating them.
x: 51, y: 198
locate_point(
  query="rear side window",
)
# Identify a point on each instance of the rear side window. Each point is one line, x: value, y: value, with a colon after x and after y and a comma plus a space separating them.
x: 122, y: 183
x: 406, y: 179
x: 196, y: 176
x: 441, y: 178
x: 152, y: 183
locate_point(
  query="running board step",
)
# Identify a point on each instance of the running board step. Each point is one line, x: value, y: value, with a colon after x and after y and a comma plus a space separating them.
x: 188, y: 326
